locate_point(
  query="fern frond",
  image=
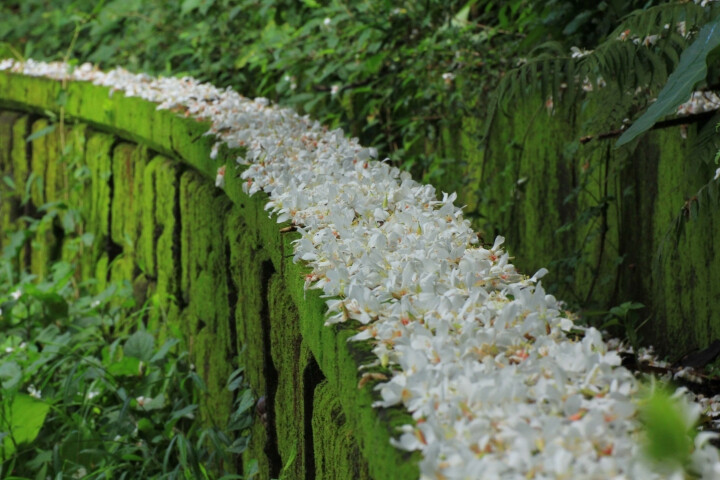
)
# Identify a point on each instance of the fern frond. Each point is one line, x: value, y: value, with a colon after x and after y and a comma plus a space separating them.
x: 707, y: 142
x: 706, y: 198
x: 653, y: 21
x: 641, y: 52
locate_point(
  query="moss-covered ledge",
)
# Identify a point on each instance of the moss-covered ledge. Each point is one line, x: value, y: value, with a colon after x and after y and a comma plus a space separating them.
x: 182, y: 139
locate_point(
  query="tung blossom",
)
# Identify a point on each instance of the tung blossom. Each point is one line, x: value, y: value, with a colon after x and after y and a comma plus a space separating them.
x: 476, y: 352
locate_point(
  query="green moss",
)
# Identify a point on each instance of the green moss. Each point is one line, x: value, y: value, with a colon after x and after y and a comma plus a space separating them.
x: 20, y: 162
x: 38, y: 163
x: 20, y: 166
x: 339, y: 360
x: 290, y: 358
x: 336, y: 452
x: 157, y: 245
x: 204, y: 289
x: 99, y: 162
x: 76, y: 187
x: 684, y: 276
x: 145, y: 247
x: 249, y: 271
x: 41, y: 243
x: 128, y: 166
x: 7, y: 207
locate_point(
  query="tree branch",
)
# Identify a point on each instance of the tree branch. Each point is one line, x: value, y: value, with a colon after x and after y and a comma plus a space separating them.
x: 673, y: 122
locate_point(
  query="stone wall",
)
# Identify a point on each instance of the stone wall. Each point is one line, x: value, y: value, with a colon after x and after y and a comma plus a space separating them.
x: 604, y: 220
x: 216, y: 267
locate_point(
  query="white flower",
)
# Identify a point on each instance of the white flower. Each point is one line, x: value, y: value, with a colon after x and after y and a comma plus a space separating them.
x: 650, y: 40
x: 681, y: 28
x: 334, y: 90
x: 717, y: 174
x: 80, y: 473
x: 327, y: 21
x: 16, y: 294
x: 141, y: 401
x: 220, y: 177
x: 577, y: 52
x: 35, y: 393
x: 448, y: 77
x: 92, y: 394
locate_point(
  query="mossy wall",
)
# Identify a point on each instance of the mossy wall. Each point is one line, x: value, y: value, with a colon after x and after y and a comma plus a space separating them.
x: 603, y: 219
x: 216, y: 267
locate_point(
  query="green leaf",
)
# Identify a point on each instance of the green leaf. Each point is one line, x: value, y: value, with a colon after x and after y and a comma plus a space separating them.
x: 189, y: 6
x: 577, y: 22
x: 41, y: 133
x: 252, y: 469
x: 155, y: 403
x: 691, y: 70
x: 87, y: 239
x: 186, y: 412
x: 162, y: 353
x: 25, y: 419
x: 10, y: 375
x: 235, y: 379
x: 127, y: 367
x: 245, y: 402
x: 9, y: 182
x: 61, y: 99
x: 140, y: 345
x: 56, y: 307
x: 668, y: 438
x: 144, y: 425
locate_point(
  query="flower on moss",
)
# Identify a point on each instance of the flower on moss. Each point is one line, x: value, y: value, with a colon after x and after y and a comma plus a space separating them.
x: 220, y: 177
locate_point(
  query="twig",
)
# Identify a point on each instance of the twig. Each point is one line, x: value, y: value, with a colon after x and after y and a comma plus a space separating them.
x: 673, y: 122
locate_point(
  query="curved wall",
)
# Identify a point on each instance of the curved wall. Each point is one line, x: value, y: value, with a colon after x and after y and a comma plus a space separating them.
x: 217, y: 265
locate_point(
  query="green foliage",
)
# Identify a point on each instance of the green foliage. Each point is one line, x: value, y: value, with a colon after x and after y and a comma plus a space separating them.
x: 623, y: 320
x: 583, y: 23
x: 669, y: 432
x: 87, y: 392
x: 691, y: 70
x: 639, y: 53
x: 396, y: 75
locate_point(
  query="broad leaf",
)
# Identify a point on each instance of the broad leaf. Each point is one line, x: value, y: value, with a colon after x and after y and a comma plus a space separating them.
x: 140, y: 345
x: 41, y: 133
x: 691, y: 70
x: 127, y: 367
x: 10, y: 375
x: 24, y: 420
x: 668, y: 434
x: 56, y: 307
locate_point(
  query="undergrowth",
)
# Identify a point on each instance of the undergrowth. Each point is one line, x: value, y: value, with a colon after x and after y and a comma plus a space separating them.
x: 88, y: 392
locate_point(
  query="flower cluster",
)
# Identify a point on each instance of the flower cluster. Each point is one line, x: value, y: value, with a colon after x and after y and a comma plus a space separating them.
x: 500, y: 381
x: 700, y: 102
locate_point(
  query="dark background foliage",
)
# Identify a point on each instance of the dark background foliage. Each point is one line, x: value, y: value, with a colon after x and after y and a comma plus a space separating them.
x: 390, y: 73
